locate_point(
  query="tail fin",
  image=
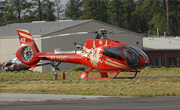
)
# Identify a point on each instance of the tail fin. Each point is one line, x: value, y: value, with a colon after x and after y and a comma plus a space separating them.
x: 28, y: 51
x: 24, y: 36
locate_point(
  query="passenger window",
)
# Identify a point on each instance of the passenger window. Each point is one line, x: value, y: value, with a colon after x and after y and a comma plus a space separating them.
x: 105, y: 52
x: 115, y: 53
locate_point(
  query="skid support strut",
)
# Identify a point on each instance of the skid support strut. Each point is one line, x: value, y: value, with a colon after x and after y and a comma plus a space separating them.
x: 128, y: 77
x: 104, y: 74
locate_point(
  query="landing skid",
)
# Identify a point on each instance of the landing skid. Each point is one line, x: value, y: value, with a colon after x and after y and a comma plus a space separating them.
x: 104, y: 74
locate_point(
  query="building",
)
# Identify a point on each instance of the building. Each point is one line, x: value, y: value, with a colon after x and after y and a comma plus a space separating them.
x: 9, y: 41
x: 162, y: 51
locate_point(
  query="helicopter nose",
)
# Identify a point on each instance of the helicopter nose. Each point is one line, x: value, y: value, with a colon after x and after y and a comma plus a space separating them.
x: 143, y: 63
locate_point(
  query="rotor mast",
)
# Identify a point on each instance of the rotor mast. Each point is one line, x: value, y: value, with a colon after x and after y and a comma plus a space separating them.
x: 101, y: 34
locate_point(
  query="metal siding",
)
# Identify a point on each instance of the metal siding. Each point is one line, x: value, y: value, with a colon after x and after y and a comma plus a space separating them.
x: 8, y: 46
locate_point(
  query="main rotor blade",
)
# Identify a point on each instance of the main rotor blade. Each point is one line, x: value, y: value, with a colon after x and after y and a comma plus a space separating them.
x: 120, y: 32
x: 62, y: 35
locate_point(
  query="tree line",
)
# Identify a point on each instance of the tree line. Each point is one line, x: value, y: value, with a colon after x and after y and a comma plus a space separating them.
x: 141, y: 16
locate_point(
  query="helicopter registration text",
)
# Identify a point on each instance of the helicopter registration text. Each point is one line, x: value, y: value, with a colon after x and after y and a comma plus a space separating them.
x: 59, y: 58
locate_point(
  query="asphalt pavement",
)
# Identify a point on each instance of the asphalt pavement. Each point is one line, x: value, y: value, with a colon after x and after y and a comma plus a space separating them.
x: 78, y: 102
x: 4, y: 97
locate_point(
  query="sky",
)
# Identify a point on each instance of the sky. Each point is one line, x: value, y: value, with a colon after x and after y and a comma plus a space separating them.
x: 63, y: 1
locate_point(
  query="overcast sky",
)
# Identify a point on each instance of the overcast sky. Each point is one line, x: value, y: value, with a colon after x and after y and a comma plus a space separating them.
x: 64, y: 1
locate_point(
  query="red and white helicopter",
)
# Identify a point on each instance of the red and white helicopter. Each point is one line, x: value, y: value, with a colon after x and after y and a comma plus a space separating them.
x: 100, y: 54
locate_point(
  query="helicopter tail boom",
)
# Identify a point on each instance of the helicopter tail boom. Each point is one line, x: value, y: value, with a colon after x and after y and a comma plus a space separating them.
x: 28, y: 51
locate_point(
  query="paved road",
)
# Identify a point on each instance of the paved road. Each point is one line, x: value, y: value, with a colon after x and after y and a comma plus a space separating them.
x: 42, y: 97
x: 121, y: 103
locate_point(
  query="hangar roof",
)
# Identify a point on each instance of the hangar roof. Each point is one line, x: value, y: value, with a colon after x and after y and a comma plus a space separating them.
x: 43, y: 28
x: 38, y: 28
x: 161, y: 43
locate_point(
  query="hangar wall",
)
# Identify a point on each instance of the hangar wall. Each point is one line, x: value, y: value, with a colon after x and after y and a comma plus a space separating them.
x: 9, y: 46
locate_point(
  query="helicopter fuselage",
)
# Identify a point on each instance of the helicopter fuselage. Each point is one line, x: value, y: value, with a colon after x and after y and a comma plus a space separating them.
x: 102, y: 54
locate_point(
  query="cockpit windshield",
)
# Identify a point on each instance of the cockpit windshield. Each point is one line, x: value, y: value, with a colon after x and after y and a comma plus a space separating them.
x: 9, y: 63
x: 123, y: 53
x: 139, y: 51
x: 131, y: 56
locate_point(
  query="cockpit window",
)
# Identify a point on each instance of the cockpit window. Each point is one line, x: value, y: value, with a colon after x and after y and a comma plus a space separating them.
x: 131, y: 56
x: 141, y: 53
x: 10, y: 63
x: 115, y: 53
x: 123, y: 53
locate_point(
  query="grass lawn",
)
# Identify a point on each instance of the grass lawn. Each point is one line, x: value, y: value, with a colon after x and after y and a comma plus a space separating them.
x: 151, y: 82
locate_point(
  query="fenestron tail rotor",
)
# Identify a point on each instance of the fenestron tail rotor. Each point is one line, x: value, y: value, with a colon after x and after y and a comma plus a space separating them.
x: 26, y: 54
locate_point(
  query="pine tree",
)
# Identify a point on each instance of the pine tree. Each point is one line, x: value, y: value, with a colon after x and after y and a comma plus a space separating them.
x: 158, y: 19
x: 19, y: 7
x: 48, y: 11
x: 58, y: 9
x: 14, y: 9
x: 43, y: 10
x: 120, y: 12
x: 140, y: 16
x: 174, y: 15
x: 115, y: 11
x: 73, y: 9
x: 129, y: 7
x: 95, y: 9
